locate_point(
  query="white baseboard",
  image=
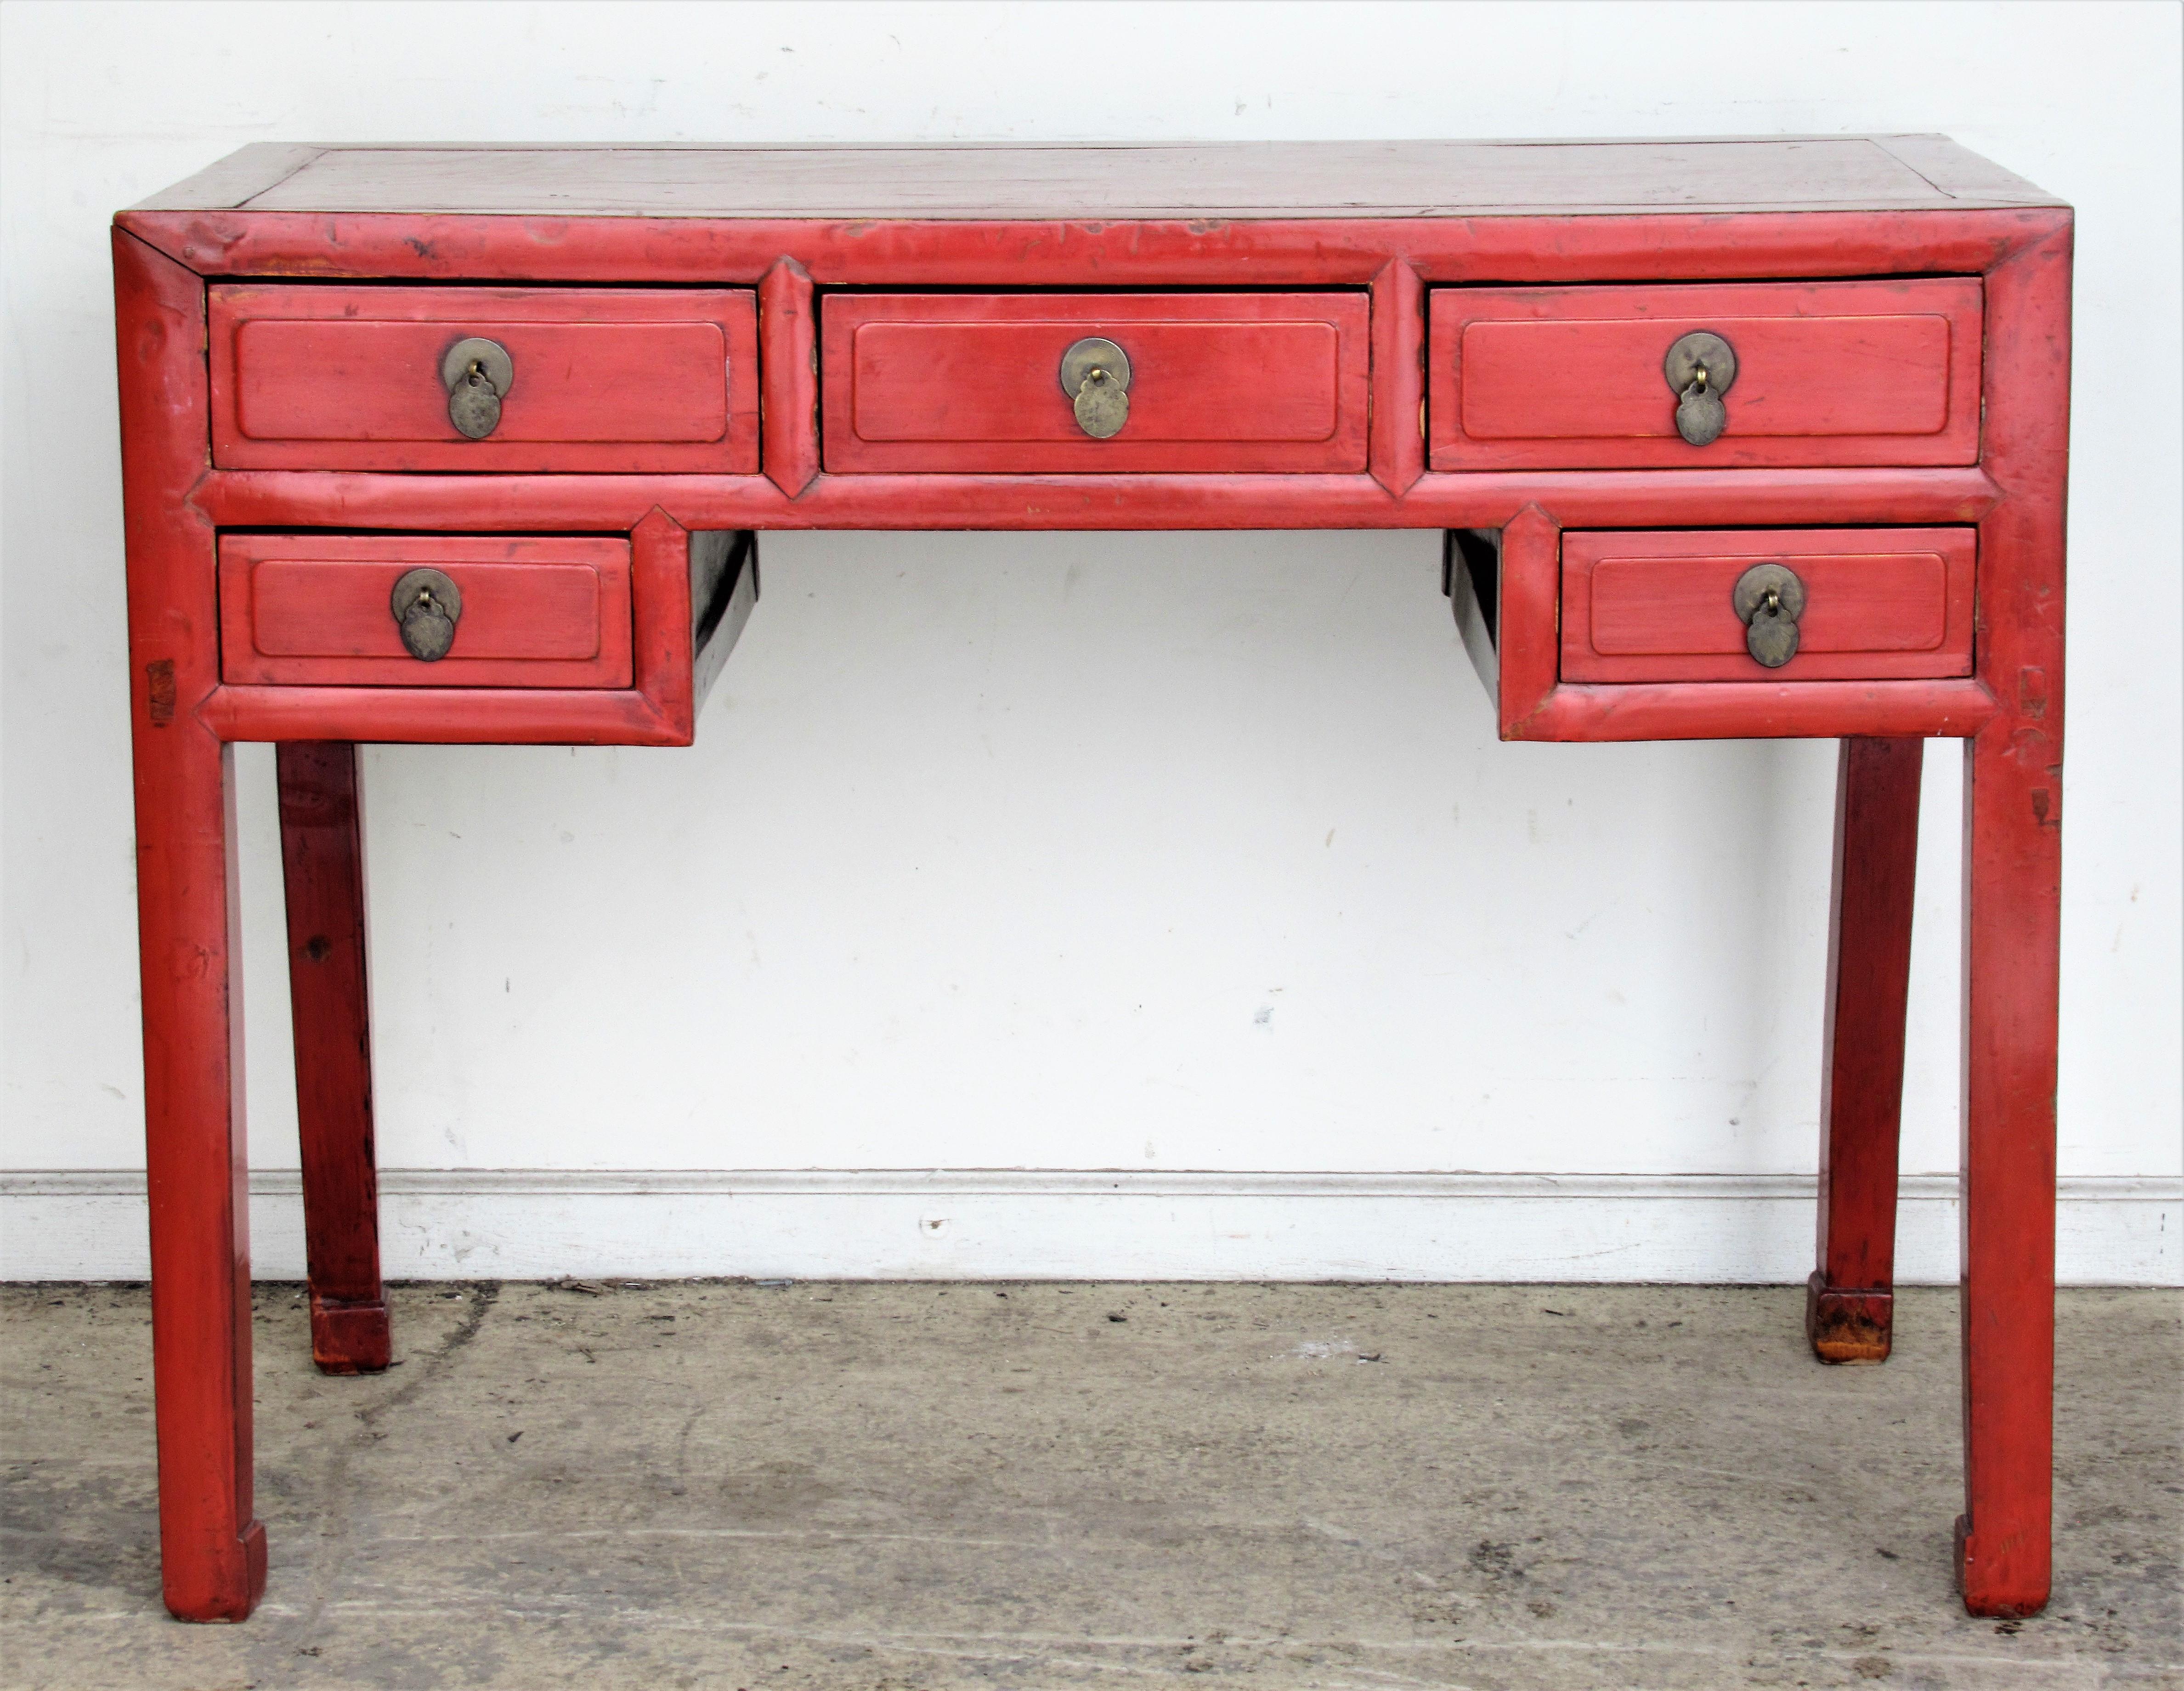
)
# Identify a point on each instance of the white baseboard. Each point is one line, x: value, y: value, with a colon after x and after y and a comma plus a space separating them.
x: 441, y: 1224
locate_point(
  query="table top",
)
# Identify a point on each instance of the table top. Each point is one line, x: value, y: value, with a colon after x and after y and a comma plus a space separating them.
x: 1248, y: 179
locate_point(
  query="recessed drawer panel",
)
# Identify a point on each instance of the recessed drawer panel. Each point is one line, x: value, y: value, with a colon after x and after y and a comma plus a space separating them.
x: 1824, y: 373
x: 1248, y: 382
x: 1879, y: 603
x: 596, y: 379
x: 305, y: 609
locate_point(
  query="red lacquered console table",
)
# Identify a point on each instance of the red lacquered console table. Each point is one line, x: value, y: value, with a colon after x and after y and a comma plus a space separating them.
x: 1728, y: 439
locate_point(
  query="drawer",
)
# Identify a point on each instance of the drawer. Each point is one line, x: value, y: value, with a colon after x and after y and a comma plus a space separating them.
x: 315, y: 609
x: 1880, y: 604
x: 1826, y: 373
x: 598, y: 378
x: 1219, y: 381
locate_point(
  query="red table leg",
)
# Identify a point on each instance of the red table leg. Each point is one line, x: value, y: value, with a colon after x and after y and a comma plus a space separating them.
x: 1849, y: 1302
x: 212, y: 1550
x: 2012, y: 880
x: 322, y: 861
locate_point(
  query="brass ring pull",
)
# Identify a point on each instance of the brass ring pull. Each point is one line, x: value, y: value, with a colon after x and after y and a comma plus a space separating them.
x: 1769, y: 599
x: 1701, y: 367
x: 1096, y: 374
x: 427, y: 605
x: 477, y: 374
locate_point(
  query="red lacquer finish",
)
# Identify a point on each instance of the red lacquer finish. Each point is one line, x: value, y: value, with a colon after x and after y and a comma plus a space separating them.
x: 1827, y: 373
x: 755, y: 339
x: 789, y: 325
x: 1218, y: 382
x: 656, y: 709
x: 1881, y: 603
x: 2012, y: 880
x: 1536, y: 703
x: 1399, y: 369
x: 322, y: 870
x: 606, y: 379
x: 212, y: 1548
x: 1849, y: 1308
x: 316, y: 610
x: 1585, y: 498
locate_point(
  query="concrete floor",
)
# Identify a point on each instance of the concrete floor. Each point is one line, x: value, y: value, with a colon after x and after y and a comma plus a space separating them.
x: 1028, y: 1486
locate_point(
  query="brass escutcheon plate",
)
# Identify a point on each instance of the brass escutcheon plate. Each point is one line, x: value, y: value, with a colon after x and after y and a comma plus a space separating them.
x: 491, y: 357
x: 1093, y: 353
x: 1751, y: 588
x: 1700, y: 346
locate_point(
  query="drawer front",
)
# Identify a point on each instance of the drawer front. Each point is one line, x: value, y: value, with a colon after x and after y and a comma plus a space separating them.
x: 601, y: 379
x: 308, y: 609
x: 1827, y: 373
x: 1239, y: 382
x: 1879, y: 605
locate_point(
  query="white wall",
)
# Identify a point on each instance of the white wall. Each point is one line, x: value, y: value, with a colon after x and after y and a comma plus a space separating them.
x: 1051, y: 852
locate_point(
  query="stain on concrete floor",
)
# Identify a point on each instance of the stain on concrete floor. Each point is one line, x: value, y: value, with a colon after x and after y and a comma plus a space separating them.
x: 902, y: 1487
